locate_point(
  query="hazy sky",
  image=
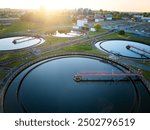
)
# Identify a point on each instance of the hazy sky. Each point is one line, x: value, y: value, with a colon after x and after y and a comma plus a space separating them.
x: 118, y: 5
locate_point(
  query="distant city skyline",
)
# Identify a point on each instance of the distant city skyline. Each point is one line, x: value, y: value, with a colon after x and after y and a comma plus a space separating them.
x: 112, y: 5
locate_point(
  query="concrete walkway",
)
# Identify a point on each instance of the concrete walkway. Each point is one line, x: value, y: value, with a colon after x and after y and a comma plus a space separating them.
x: 131, y: 62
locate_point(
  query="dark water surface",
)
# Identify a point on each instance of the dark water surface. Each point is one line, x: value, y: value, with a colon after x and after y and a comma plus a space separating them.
x: 48, y: 86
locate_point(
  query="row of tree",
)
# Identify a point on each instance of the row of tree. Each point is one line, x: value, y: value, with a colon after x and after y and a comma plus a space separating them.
x: 67, y: 16
x: 115, y: 14
x: 44, y: 17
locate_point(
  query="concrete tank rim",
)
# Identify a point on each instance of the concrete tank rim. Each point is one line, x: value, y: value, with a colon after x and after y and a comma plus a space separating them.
x: 108, y: 52
x: 5, y: 51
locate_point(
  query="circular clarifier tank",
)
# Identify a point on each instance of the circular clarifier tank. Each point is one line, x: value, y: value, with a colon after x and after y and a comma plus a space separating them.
x: 125, y: 48
x: 14, y: 43
x: 76, y: 84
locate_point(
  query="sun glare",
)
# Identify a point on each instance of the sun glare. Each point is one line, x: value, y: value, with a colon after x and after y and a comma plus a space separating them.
x: 53, y: 4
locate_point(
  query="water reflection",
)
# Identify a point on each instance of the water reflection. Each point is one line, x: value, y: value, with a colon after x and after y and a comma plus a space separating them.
x: 48, y: 86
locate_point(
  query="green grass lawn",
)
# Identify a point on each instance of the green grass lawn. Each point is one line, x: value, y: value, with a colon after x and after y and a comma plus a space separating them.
x: 100, y: 31
x: 79, y: 48
x: 19, y: 26
x: 9, y: 56
x: 83, y: 47
x: 146, y: 74
x: 147, y: 63
x: 49, y: 40
x: 40, y: 28
x: 15, y: 64
x: 2, y: 74
x: 116, y: 36
x: 140, y: 39
x: 144, y: 62
x: 127, y: 36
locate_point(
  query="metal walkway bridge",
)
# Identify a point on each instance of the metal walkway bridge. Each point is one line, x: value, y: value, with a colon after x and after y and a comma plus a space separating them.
x: 143, y: 50
x: 79, y: 76
x: 22, y: 39
x: 106, y: 74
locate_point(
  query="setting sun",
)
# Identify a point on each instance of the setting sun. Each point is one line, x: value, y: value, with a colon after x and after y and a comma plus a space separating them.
x: 57, y: 4
x: 62, y: 4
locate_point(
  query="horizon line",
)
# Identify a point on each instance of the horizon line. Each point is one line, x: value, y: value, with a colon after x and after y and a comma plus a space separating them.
x: 78, y: 8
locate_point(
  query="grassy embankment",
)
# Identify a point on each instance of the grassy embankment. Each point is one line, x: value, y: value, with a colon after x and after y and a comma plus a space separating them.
x: 146, y: 74
x: 2, y: 74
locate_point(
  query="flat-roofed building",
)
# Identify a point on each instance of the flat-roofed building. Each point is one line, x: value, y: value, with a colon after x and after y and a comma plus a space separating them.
x: 81, y: 23
x: 108, y: 17
x: 146, y: 19
x: 99, y: 17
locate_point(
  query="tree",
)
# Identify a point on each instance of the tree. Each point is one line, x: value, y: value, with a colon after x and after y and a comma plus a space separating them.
x: 117, y: 15
x: 85, y: 27
x: 97, y: 27
x: 145, y: 14
x: 121, y: 32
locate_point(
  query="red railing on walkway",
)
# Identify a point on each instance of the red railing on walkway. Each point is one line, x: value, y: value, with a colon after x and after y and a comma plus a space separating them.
x: 106, y: 74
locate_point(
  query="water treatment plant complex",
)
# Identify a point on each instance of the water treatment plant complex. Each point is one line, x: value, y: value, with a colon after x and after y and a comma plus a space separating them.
x: 62, y: 69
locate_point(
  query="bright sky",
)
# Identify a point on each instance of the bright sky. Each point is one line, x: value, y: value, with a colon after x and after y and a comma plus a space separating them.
x: 118, y: 5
